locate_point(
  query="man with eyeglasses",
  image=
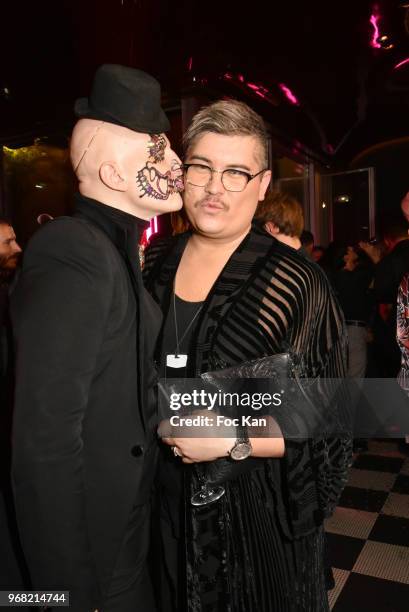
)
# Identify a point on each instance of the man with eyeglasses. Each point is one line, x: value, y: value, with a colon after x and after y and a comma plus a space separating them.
x: 231, y: 294
x: 85, y: 445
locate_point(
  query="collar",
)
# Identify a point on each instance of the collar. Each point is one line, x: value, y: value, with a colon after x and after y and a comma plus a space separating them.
x: 122, y: 228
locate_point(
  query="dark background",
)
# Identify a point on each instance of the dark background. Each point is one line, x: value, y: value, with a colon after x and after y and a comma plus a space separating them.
x: 351, y: 98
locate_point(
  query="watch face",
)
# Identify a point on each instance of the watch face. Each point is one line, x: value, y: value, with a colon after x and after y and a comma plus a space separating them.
x: 241, y: 450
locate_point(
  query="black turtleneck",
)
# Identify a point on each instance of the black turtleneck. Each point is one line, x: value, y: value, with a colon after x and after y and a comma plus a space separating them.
x: 125, y: 231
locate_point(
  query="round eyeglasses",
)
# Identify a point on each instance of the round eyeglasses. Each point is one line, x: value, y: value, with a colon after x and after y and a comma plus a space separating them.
x: 200, y: 175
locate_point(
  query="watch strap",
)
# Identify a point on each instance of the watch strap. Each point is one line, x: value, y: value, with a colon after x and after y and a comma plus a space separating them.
x: 242, y: 433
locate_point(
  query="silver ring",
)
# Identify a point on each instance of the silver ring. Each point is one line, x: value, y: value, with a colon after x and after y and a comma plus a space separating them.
x: 176, y: 451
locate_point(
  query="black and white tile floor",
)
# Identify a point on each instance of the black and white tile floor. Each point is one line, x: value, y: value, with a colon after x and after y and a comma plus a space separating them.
x: 368, y: 535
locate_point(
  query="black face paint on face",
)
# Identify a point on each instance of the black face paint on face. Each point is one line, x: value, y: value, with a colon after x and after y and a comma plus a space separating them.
x: 160, y: 186
x: 156, y: 148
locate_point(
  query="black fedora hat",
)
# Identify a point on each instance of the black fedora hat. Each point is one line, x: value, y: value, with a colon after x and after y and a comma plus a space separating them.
x: 125, y: 96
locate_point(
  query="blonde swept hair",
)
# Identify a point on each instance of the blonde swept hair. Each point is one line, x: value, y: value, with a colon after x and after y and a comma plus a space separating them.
x: 229, y: 118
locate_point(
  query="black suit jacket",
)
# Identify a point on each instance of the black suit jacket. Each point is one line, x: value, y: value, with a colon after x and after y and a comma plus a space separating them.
x: 78, y: 428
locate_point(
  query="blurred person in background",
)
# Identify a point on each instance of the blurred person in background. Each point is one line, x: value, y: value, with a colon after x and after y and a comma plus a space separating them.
x: 402, y: 334
x: 307, y: 241
x: 318, y: 253
x: 10, y: 253
x: 403, y: 318
x: 352, y: 285
x: 282, y: 217
x: 388, y: 275
x: 333, y: 260
x: 374, y: 248
x: 11, y: 564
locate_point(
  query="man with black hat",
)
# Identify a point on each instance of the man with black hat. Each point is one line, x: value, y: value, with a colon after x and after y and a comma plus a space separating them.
x: 85, y: 330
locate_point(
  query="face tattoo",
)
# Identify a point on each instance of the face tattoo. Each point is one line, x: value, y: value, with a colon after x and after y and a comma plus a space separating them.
x: 153, y: 183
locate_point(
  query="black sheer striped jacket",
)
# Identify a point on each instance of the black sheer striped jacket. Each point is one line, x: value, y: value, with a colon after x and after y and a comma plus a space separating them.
x: 270, y: 297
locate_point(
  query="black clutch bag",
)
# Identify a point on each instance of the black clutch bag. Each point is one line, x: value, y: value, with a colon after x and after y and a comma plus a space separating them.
x: 278, y: 368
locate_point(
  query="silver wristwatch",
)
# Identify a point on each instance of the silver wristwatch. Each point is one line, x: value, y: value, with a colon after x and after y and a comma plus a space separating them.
x: 242, y: 448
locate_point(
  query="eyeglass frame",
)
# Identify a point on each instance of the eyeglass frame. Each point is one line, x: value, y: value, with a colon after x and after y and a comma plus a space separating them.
x: 249, y: 176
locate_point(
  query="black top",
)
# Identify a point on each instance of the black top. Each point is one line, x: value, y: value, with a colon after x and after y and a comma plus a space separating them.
x: 125, y: 231
x: 352, y: 288
x: 186, y: 312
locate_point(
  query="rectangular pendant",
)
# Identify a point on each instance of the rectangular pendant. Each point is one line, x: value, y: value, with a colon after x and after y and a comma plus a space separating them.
x: 176, y: 361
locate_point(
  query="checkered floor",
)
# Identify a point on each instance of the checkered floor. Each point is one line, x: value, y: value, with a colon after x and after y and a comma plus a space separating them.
x: 368, y: 535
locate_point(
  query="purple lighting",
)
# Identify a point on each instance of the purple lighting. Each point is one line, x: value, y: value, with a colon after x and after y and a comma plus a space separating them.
x: 402, y: 63
x: 289, y: 94
x: 374, y: 20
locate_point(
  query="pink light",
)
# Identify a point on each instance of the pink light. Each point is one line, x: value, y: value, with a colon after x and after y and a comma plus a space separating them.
x: 241, y: 78
x: 402, y: 63
x: 152, y: 229
x: 259, y: 90
x: 374, y: 20
x: 289, y: 94
x: 190, y: 63
x: 227, y: 75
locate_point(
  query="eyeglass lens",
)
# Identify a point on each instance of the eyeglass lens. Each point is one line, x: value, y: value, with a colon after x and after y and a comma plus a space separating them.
x: 233, y: 180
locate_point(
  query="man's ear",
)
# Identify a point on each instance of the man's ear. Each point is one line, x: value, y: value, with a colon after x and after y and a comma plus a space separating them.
x: 271, y: 228
x: 111, y: 176
x: 264, y: 183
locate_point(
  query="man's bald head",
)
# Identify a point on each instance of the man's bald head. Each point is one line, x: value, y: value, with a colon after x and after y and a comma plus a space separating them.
x: 113, y: 165
x: 94, y: 143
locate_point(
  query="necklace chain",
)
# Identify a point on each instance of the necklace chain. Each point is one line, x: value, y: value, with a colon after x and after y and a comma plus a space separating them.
x: 179, y: 341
